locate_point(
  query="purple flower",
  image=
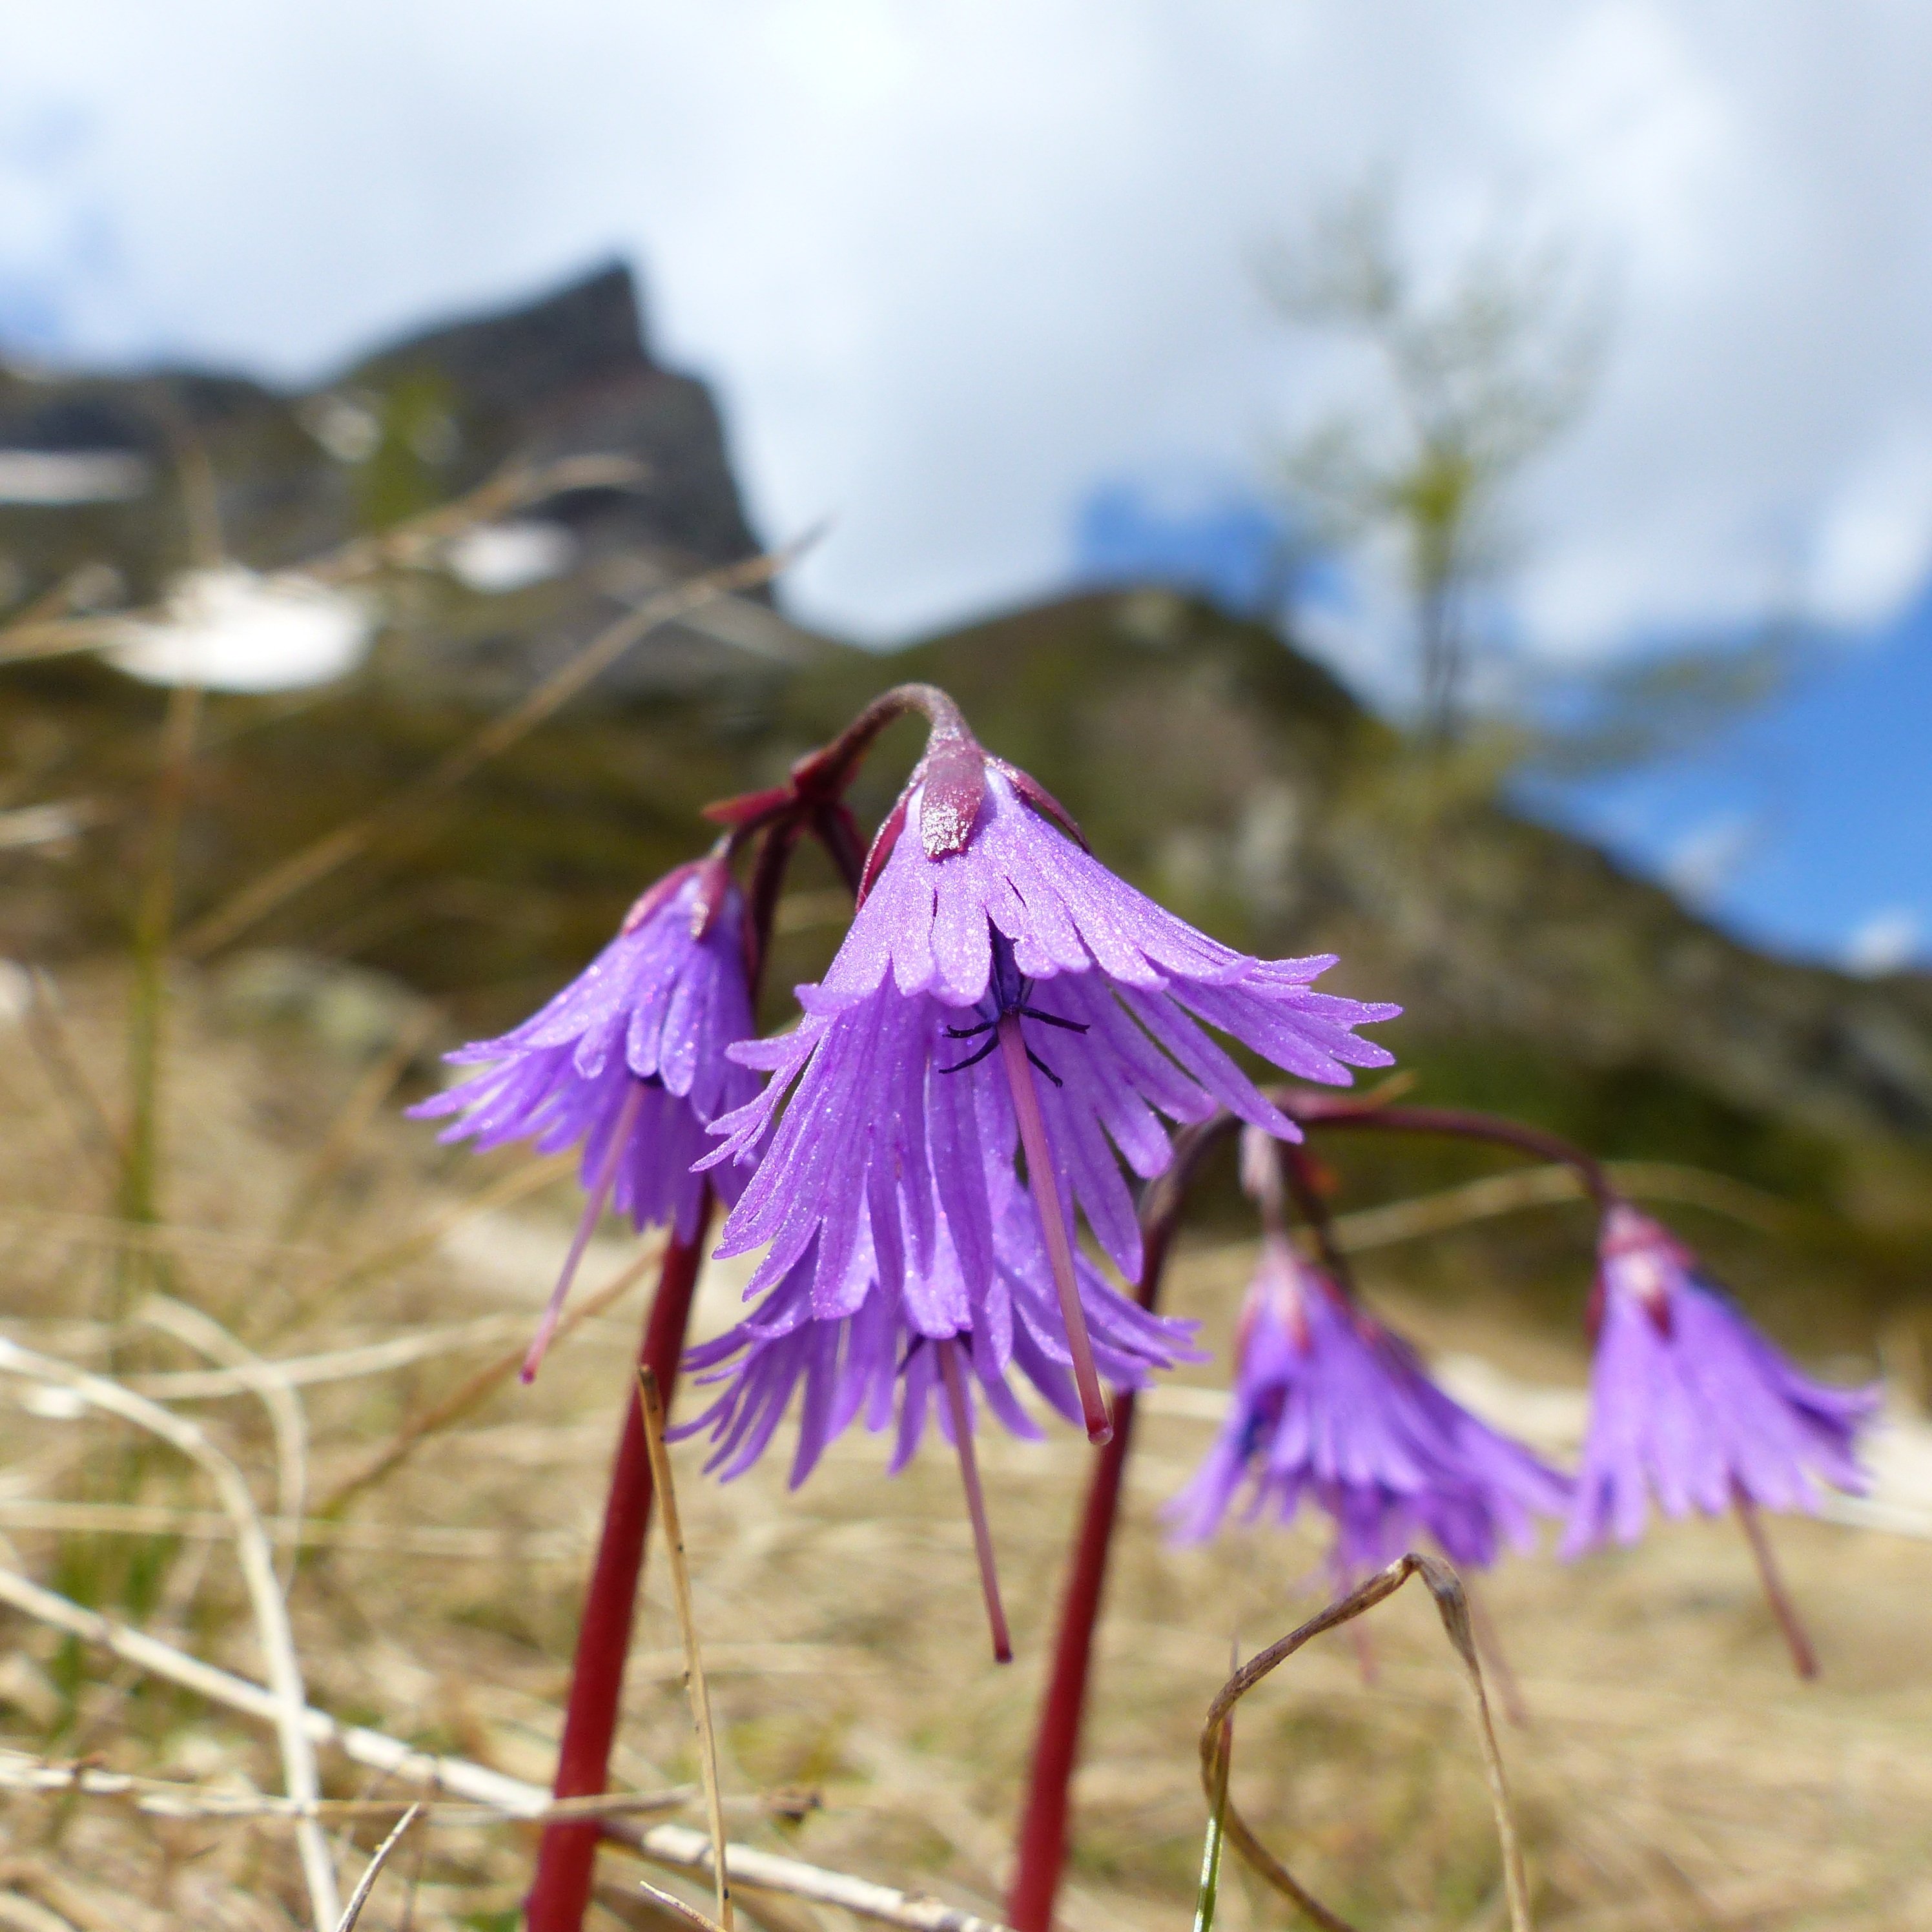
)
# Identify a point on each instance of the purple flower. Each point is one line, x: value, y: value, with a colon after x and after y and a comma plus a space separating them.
x: 1688, y: 1400
x: 992, y: 947
x: 630, y: 1060
x: 1331, y: 1408
x: 880, y: 1363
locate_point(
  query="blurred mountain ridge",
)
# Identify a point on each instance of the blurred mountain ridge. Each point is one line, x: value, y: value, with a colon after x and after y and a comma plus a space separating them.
x: 394, y: 434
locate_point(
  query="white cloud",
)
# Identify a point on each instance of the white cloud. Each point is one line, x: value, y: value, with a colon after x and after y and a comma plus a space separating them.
x: 1887, y: 942
x: 949, y: 265
x: 1706, y: 859
x: 1874, y: 547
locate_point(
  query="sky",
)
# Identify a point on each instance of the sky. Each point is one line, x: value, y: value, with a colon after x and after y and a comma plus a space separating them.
x: 964, y: 276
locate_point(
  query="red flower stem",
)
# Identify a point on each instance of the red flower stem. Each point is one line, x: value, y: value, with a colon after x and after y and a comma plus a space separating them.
x: 1041, y: 1853
x: 826, y: 772
x: 593, y: 1210
x: 1304, y: 1185
x: 975, y: 1499
x: 1045, y: 1183
x: 566, y: 1858
x: 767, y: 883
x: 1804, y: 1658
x: 1335, y: 1110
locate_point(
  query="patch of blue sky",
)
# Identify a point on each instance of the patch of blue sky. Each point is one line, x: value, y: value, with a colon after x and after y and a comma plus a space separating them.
x: 1212, y: 537
x: 1804, y: 826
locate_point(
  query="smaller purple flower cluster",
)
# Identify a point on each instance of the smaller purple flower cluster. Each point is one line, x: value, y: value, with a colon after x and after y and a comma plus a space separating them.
x: 1689, y: 1401
x: 1330, y: 1408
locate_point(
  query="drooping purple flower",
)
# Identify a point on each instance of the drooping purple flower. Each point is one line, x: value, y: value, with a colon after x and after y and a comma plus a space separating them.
x: 1691, y: 1402
x: 630, y: 1060
x: 880, y: 1363
x: 992, y: 947
x: 1332, y: 1409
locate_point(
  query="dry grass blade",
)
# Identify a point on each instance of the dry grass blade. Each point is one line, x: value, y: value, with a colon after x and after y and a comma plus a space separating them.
x: 147, y: 995
x: 509, y: 1796
x: 687, y: 1623
x: 1498, y: 1194
x: 168, y: 1797
x: 461, y: 1543
x: 207, y: 1336
x: 255, y: 901
x: 366, y: 1884
x: 46, y: 628
x: 258, y: 1570
x: 516, y: 487
x: 1453, y: 1606
x: 26, y: 1915
x: 335, y: 1365
x: 675, y: 1846
x: 529, y: 1178
x: 669, y: 1902
x: 365, y: 1102
x: 467, y: 1393
x: 1209, y: 1895
x: 47, y: 1035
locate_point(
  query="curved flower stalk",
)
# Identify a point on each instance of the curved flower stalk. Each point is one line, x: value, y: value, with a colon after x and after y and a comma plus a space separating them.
x: 1689, y: 1402
x: 630, y: 1060
x: 922, y: 1343
x: 1000, y: 991
x: 1331, y: 1408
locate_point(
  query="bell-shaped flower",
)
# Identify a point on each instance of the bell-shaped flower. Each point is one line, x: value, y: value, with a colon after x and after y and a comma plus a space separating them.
x: 629, y: 1061
x: 1331, y: 1409
x: 1000, y: 990
x: 1689, y: 1402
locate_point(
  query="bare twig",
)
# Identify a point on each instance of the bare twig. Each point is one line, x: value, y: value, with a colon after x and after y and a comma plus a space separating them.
x: 695, y: 1686
x: 258, y: 1570
x: 676, y: 1847
x: 295, y: 874
x: 1452, y: 1607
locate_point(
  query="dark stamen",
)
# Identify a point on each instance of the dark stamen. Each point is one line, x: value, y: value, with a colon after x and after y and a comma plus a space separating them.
x: 1049, y: 1019
x: 1043, y: 1067
x: 966, y: 1033
x: 973, y: 1059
